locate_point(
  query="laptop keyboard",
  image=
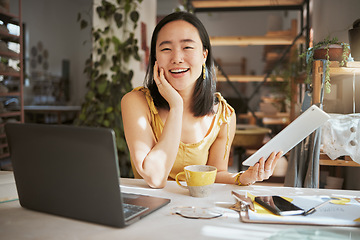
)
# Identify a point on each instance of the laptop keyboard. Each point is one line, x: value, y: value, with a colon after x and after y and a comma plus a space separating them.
x: 131, y: 211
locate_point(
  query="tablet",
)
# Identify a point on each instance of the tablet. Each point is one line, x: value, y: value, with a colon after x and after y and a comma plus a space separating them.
x: 290, y: 136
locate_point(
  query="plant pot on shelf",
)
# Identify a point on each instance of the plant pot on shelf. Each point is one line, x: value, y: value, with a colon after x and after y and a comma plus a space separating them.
x: 335, y: 52
x: 354, y: 40
x: 328, y: 49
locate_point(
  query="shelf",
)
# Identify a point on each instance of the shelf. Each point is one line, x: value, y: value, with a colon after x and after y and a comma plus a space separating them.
x: 348, y: 162
x: 280, y: 118
x: 253, y: 40
x: 12, y: 55
x: 10, y: 94
x: 349, y: 69
x: 246, y: 78
x: 216, y: 4
x: 10, y: 74
x: 3, y: 145
x: 8, y: 17
x: 10, y: 114
x: 5, y: 155
x: 7, y: 37
x: 335, y: 70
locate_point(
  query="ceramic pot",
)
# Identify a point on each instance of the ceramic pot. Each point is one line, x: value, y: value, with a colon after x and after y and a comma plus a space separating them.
x: 335, y: 53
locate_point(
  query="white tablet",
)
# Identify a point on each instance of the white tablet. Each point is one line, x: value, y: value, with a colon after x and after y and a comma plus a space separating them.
x: 291, y: 135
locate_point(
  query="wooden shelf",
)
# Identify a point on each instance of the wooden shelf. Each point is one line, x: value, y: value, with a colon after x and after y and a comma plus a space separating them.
x: 10, y: 114
x: 5, y: 155
x: 280, y: 118
x: 3, y: 145
x: 9, y: 37
x: 8, y: 17
x: 244, y: 3
x: 9, y: 94
x: 245, y: 78
x: 335, y: 70
x: 348, y: 162
x: 253, y: 40
x: 349, y: 69
x: 18, y: 115
x: 10, y: 74
x: 12, y: 55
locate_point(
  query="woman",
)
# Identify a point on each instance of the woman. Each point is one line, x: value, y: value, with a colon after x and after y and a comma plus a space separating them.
x: 178, y: 119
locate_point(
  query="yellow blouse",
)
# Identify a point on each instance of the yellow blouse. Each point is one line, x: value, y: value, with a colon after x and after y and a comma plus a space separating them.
x: 193, y: 153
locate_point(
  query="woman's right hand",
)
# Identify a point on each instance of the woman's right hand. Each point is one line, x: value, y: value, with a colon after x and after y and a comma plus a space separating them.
x: 165, y: 88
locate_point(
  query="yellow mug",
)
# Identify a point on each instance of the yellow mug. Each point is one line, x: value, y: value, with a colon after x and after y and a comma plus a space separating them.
x: 199, y: 179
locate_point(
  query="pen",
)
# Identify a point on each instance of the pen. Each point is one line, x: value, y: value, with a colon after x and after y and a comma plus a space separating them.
x: 312, y: 210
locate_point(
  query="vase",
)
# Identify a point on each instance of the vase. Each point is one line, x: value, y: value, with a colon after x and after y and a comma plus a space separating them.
x: 335, y: 52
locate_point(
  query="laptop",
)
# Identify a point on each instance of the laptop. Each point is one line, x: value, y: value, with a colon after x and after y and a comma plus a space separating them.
x: 291, y: 135
x: 73, y: 172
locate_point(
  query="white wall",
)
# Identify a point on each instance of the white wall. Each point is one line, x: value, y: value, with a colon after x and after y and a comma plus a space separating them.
x: 54, y: 23
x: 334, y: 18
x: 147, y: 11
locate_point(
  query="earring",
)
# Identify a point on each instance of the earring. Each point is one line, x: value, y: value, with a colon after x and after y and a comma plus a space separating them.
x: 204, y: 71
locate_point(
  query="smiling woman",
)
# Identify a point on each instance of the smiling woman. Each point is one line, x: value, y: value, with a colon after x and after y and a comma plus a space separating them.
x: 186, y: 122
x: 180, y: 53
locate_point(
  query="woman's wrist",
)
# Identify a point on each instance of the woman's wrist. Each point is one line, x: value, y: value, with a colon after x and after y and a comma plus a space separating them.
x: 239, y: 182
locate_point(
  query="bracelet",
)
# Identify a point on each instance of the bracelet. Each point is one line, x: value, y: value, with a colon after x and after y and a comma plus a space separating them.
x: 237, y: 180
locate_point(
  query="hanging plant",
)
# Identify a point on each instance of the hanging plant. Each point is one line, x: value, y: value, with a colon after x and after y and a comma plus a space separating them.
x: 330, y: 50
x: 288, y: 71
x: 114, y: 45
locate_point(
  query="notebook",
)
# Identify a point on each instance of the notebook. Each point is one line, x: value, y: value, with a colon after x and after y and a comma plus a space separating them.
x: 291, y: 135
x: 73, y: 172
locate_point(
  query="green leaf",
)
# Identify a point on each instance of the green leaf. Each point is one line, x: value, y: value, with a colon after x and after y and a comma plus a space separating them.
x: 118, y: 19
x: 89, y: 95
x: 100, y: 11
x: 117, y: 43
x: 106, y: 123
x: 101, y: 86
x: 83, y: 24
x: 127, y: 7
x: 134, y: 16
x: 109, y: 109
x: 103, y: 59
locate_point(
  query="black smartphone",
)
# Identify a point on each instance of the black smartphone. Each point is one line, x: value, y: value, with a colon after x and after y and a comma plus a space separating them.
x: 279, y: 206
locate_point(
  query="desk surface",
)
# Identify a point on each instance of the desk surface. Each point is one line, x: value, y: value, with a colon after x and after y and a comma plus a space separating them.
x: 19, y: 223
x: 52, y: 108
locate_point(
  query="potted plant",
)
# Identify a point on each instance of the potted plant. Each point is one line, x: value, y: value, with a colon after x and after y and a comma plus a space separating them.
x: 108, y: 68
x: 330, y: 50
x: 288, y: 72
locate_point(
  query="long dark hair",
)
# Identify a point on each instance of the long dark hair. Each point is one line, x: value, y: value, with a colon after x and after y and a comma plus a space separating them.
x: 204, y: 92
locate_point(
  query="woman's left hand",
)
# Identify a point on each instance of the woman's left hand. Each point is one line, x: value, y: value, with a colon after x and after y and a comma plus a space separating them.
x: 261, y: 170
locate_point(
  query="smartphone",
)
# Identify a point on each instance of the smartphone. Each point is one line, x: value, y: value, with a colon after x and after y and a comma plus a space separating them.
x: 279, y: 206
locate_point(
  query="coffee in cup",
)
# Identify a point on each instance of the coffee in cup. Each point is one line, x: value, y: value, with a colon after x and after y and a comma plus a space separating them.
x: 199, y: 179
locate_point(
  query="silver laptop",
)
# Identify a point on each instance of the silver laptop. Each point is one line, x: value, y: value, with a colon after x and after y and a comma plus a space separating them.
x: 73, y: 172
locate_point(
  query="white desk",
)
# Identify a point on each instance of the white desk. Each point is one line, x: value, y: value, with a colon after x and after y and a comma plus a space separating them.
x: 19, y: 223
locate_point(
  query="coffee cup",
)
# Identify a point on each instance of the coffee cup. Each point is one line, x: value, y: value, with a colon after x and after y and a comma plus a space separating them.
x: 199, y: 179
